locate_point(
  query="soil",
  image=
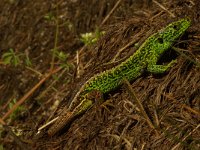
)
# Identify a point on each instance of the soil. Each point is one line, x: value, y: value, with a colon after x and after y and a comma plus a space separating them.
x: 41, y: 83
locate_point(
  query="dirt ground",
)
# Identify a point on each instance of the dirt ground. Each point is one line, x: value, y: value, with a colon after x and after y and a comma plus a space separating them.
x: 43, y: 63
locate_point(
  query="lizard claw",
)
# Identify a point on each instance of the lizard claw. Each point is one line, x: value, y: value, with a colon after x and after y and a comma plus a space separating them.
x: 172, y: 63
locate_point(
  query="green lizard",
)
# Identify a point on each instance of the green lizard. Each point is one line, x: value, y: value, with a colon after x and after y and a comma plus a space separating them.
x: 145, y: 58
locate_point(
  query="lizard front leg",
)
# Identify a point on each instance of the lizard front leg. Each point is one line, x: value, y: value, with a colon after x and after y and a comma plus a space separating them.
x: 156, y: 69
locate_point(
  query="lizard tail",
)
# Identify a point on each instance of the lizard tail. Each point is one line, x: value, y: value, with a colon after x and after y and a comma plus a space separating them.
x: 61, y: 122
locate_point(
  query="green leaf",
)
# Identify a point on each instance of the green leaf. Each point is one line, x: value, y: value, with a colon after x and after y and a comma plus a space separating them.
x: 1, y: 146
x: 49, y: 16
x: 63, y: 56
x: 55, y: 77
x: 6, y: 55
x: 16, y: 60
x: 65, y: 66
x: 28, y: 61
x: 7, y: 60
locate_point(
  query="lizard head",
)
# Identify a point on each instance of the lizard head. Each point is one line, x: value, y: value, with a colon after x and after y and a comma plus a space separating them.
x: 174, y: 30
x: 166, y: 36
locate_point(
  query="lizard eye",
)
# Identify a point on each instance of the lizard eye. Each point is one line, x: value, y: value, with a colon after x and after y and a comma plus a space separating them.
x: 160, y: 40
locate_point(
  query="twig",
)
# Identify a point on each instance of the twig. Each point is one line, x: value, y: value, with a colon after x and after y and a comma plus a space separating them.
x: 126, y: 46
x: 141, y: 108
x: 7, y: 103
x: 78, y: 63
x: 51, y: 85
x: 165, y: 9
x: 196, y: 112
x: 2, y: 122
x: 29, y: 93
x: 184, y: 55
x: 177, y: 145
x: 110, y: 13
x: 192, y: 2
x: 33, y: 70
x: 135, y: 38
x: 47, y: 124
x: 1, y: 62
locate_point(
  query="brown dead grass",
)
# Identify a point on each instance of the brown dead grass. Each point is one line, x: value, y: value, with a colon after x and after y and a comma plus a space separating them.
x: 171, y: 100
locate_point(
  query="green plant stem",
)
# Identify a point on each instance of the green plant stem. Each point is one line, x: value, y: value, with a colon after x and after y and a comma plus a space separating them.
x: 56, y: 40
